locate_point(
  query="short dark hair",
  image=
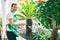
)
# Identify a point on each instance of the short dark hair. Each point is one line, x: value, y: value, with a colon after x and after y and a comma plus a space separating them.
x: 13, y: 4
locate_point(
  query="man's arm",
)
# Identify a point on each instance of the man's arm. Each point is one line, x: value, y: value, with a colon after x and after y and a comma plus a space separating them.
x: 13, y: 24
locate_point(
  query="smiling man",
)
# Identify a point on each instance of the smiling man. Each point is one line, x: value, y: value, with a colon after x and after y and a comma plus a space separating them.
x: 12, y: 30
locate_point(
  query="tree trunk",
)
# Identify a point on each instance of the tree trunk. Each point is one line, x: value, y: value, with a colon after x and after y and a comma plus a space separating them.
x: 54, y: 33
x: 29, y: 27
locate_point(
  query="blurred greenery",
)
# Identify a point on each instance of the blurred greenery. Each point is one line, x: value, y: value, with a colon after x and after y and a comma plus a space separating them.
x: 46, y: 10
x: 48, y: 13
x: 43, y: 12
x: 0, y: 21
x: 28, y: 9
x: 44, y: 35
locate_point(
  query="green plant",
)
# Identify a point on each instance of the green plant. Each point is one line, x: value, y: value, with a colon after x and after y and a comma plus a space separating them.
x: 0, y: 24
x: 0, y: 21
x: 28, y: 9
x: 35, y: 36
x: 45, y: 35
x: 50, y: 16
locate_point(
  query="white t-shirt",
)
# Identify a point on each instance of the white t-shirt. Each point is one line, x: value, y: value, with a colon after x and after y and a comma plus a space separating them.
x: 9, y: 15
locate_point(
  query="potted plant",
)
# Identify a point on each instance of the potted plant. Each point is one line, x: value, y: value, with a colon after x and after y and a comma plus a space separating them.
x: 28, y: 9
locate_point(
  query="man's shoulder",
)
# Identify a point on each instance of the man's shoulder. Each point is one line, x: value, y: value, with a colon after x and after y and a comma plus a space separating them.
x: 16, y: 12
x: 9, y: 13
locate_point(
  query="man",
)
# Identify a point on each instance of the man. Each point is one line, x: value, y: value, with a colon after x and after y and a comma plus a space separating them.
x: 11, y: 25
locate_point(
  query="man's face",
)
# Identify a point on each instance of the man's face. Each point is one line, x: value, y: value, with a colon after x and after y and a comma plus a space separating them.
x: 14, y: 8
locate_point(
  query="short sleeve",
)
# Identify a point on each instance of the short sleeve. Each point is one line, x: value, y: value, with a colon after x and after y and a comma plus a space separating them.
x: 9, y: 15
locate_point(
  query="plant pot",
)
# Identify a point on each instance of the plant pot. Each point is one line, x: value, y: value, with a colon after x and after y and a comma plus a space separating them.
x: 29, y: 27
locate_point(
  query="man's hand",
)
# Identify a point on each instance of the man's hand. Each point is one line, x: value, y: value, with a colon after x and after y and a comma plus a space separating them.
x: 18, y: 25
x: 22, y: 24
